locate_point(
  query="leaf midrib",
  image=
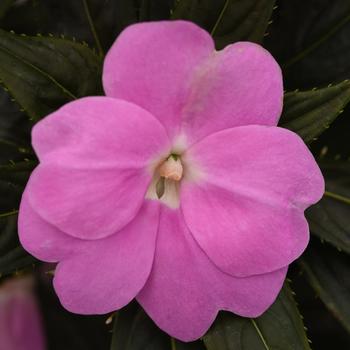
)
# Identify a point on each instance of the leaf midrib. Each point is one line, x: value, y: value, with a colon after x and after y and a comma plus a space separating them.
x: 338, y: 197
x: 263, y: 340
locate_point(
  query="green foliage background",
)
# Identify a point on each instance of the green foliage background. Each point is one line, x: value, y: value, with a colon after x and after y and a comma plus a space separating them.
x: 51, y: 52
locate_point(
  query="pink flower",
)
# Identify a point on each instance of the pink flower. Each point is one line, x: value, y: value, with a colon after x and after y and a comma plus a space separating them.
x: 20, y: 321
x: 176, y: 189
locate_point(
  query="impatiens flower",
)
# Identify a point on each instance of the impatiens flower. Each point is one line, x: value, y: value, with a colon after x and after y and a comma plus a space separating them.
x: 20, y: 321
x: 176, y: 189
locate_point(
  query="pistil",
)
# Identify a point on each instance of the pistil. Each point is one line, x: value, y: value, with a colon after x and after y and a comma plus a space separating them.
x: 171, y: 168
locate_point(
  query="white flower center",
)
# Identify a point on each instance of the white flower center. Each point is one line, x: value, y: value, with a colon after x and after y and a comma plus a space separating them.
x: 170, y: 170
x: 165, y: 185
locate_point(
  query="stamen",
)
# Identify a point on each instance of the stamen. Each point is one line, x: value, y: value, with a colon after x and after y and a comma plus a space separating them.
x: 165, y: 185
x: 171, y: 168
x: 160, y: 187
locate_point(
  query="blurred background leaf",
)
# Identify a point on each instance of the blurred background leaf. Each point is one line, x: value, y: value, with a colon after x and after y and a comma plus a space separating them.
x: 4, y: 7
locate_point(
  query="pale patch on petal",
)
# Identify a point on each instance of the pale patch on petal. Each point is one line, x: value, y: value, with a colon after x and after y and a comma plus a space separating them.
x: 180, y: 144
x: 171, y: 193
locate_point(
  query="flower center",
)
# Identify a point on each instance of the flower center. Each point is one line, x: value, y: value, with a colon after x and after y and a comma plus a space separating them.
x: 171, y: 168
x: 170, y: 172
x: 166, y: 181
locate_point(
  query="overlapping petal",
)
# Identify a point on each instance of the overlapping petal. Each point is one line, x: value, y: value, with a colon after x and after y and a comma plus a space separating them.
x: 107, y: 274
x: 155, y: 70
x: 172, y: 70
x: 87, y: 203
x: 41, y: 239
x: 246, y: 209
x: 240, y: 85
x: 185, y: 289
x: 99, y: 132
x: 94, y: 276
x: 96, y: 156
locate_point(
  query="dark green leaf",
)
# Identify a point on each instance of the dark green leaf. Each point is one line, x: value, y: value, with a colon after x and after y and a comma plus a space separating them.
x: 328, y: 272
x: 12, y: 256
x: 309, y: 113
x: 228, y: 20
x: 329, y: 219
x: 299, y: 26
x: 13, y: 178
x: 14, y: 131
x: 108, y: 18
x: 81, y: 18
x: 44, y: 73
x: 203, y: 12
x: 279, y: 328
x: 178, y: 345
x: 10, y: 195
x: 70, y: 18
x: 126, y: 14
x: 4, y: 6
x: 243, y: 20
x: 154, y: 10
x: 65, y: 330
x: 134, y: 330
x: 17, y: 173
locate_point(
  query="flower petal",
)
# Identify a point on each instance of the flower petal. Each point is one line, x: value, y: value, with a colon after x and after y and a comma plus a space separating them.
x: 185, y: 290
x: 95, y: 155
x: 246, y: 211
x: 99, y: 132
x: 239, y: 85
x: 172, y: 70
x: 41, y: 239
x: 87, y: 203
x: 151, y: 64
x: 108, y: 273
